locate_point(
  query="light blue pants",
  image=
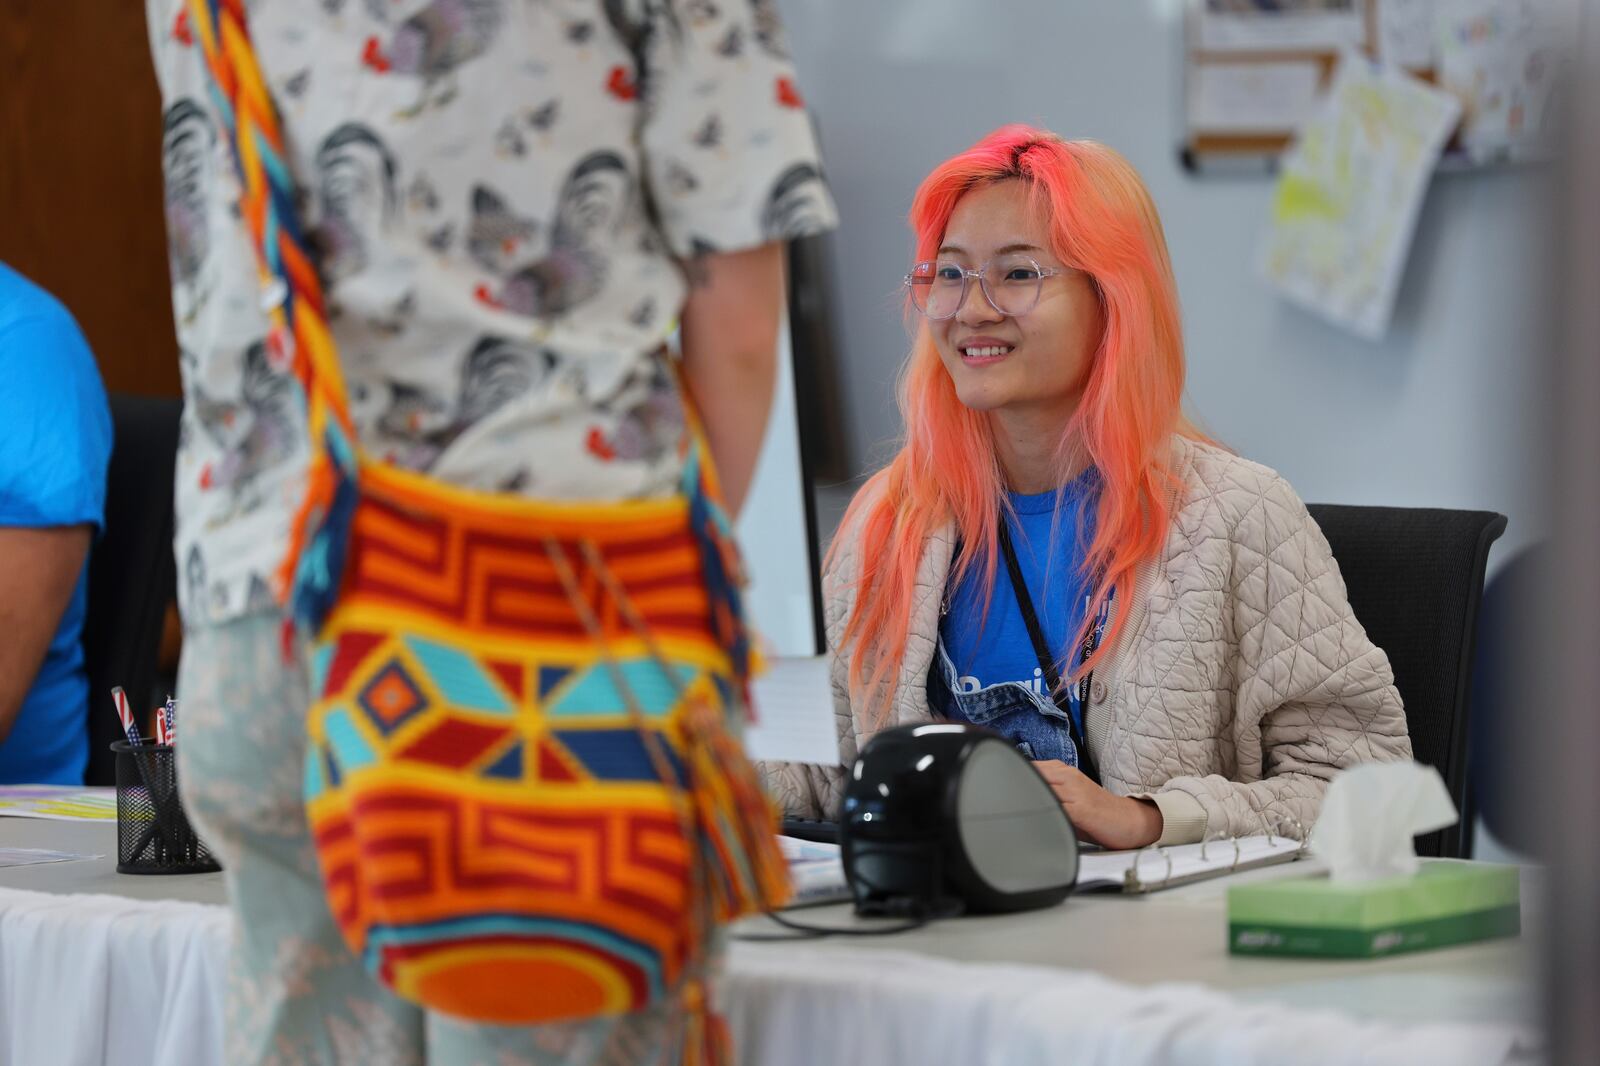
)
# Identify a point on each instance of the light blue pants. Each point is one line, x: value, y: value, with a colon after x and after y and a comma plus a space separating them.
x: 296, y: 996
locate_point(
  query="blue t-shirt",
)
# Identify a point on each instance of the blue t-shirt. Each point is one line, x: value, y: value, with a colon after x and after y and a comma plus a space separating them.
x: 55, y: 443
x: 1051, y: 532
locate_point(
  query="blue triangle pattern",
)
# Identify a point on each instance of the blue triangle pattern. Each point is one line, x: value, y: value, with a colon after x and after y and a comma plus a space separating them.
x: 459, y: 678
x: 618, y: 755
x: 509, y: 765
x: 550, y: 677
x: 596, y: 694
x: 609, y: 754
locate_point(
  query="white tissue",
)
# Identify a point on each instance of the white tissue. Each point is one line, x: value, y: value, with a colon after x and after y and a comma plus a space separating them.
x: 1370, y: 815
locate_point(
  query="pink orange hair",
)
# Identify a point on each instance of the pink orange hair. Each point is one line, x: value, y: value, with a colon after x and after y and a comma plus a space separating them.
x: 1101, y: 221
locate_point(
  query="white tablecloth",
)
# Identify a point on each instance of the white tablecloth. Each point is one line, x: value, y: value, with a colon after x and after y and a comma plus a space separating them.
x: 105, y: 980
x: 93, y: 980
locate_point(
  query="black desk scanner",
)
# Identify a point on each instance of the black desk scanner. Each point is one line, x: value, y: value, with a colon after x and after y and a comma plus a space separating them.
x: 943, y: 818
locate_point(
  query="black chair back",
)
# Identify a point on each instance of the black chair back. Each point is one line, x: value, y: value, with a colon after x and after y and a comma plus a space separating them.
x: 132, y: 576
x: 1415, y: 579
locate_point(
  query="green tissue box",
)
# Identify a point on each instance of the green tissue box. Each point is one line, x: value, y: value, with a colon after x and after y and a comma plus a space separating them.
x: 1445, y: 903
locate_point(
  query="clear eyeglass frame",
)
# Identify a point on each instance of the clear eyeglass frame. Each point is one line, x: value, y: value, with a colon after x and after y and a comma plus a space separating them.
x: 1011, y: 302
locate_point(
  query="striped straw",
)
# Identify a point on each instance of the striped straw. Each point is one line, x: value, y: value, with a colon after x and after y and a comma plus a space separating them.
x: 169, y: 715
x: 125, y: 713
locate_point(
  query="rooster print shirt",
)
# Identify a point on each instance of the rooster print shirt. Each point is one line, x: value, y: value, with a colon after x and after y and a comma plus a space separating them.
x: 503, y: 197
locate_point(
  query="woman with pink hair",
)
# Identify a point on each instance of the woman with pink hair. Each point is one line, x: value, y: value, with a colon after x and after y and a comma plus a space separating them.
x: 1058, y: 555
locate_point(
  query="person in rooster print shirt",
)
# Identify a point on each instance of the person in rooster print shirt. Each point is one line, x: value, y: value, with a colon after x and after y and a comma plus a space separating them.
x: 513, y: 204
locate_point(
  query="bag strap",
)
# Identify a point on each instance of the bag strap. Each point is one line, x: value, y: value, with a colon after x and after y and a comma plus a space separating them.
x: 308, y: 577
x: 1041, y: 650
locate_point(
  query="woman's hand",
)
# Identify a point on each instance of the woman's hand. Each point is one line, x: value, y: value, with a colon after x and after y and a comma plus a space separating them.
x: 1115, y: 822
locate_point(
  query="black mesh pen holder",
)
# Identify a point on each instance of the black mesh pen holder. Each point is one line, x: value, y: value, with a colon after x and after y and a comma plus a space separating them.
x: 153, y: 833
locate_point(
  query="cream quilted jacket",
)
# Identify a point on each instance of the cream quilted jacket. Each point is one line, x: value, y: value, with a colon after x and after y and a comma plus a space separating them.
x: 1242, y: 684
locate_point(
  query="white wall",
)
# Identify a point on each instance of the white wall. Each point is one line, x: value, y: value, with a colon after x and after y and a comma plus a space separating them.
x: 1440, y: 414
x: 772, y: 527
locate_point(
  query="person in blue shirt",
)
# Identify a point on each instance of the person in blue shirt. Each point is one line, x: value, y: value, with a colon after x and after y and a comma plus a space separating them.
x: 988, y: 672
x: 55, y: 443
x: 1058, y: 555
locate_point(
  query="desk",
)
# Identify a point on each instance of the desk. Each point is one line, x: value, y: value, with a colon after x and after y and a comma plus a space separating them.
x: 1141, y: 979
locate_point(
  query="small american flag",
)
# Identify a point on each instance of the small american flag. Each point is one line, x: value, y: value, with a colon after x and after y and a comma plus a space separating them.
x: 125, y: 713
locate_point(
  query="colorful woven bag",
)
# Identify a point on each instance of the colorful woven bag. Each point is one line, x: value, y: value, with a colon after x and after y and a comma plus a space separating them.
x: 524, y: 782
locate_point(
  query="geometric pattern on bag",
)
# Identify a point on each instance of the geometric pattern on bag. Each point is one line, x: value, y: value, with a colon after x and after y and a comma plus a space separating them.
x: 482, y: 777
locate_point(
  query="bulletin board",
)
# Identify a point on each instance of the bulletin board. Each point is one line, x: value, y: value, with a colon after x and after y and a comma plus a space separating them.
x: 1254, y: 70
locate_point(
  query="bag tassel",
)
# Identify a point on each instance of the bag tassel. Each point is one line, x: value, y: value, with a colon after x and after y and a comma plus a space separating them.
x: 706, y: 1040
x: 719, y: 560
x: 736, y: 819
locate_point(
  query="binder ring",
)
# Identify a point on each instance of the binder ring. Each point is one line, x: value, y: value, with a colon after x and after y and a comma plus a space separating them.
x: 1272, y: 824
x: 1299, y: 836
x: 1132, y: 876
x: 1283, y: 823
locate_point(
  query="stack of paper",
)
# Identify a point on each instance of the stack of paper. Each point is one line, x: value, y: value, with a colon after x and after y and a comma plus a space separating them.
x: 1157, y: 868
x: 59, y: 803
x: 817, y: 871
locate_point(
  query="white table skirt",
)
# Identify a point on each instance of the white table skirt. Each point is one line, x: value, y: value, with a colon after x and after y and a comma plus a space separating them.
x: 94, y: 980
x: 91, y: 980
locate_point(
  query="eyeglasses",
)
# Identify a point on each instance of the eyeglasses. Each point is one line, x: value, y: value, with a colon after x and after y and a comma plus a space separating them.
x: 1010, y: 283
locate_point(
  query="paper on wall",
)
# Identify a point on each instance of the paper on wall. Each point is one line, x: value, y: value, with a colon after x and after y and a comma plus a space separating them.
x: 1267, y: 97
x: 1279, y: 25
x: 1351, y: 187
x: 794, y: 713
x: 1406, y: 33
x: 1501, y: 58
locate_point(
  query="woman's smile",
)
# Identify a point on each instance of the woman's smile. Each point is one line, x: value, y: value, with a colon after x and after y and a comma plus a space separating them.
x: 984, y: 350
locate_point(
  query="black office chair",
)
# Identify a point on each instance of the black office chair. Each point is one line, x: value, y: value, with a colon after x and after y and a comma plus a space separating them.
x: 132, y: 576
x: 1415, y: 579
